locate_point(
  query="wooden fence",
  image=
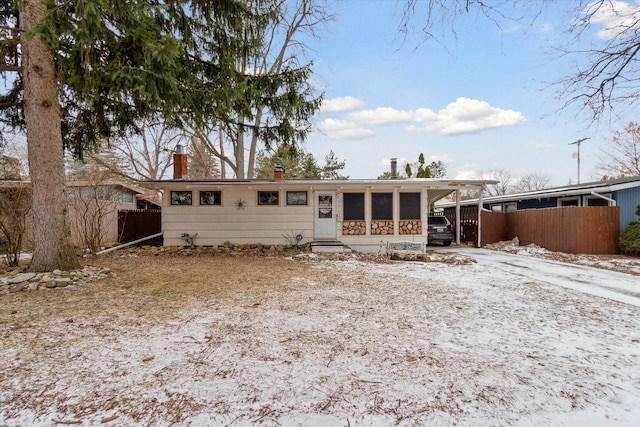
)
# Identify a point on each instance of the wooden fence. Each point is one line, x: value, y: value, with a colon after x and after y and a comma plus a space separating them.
x: 139, y: 223
x: 577, y: 230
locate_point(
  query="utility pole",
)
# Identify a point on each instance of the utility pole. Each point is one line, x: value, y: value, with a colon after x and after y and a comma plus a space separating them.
x: 578, y: 142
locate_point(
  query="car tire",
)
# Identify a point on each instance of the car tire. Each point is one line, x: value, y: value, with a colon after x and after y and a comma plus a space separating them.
x: 447, y: 243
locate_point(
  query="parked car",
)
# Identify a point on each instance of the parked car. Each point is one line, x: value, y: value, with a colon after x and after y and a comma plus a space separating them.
x: 440, y: 230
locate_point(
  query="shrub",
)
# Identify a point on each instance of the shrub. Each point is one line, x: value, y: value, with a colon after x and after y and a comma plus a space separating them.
x: 630, y: 239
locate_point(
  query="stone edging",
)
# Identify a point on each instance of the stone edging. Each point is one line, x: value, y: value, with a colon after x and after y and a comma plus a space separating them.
x: 56, y: 279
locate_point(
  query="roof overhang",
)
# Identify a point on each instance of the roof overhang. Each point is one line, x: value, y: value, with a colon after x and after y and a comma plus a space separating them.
x: 436, y: 188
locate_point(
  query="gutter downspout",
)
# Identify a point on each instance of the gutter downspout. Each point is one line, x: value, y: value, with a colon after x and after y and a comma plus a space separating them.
x: 608, y: 199
x: 124, y: 245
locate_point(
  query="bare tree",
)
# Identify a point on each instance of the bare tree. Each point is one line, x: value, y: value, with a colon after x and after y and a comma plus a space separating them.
x: 202, y: 163
x: 532, y: 182
x: 149, y: 154
x: 605, y: 83
x: 93, y: 209
x: 622, y: 155
x: 505, y: 180
x: 15, y: 209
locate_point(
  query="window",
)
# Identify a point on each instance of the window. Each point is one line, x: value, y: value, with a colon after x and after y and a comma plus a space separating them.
x: 381, y: 206
x: 211, y: 198
x: 72, y: 192
x: 353, y: 206
x: 104, y: 193
x: 510, y: 207
x: 596, y: 201
x: 88, y: 193
x: 574, y: 201
x: 409, y: 205
x: 181, y: 197
x: 120, y: 195
x: 269, y: 198
x: 296, y: 197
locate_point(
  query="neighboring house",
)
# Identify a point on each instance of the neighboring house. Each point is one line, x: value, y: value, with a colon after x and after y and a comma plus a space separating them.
x: 99, y: 204
x: 363, y: 214
x: 621, y: 192
x: 96, y: 204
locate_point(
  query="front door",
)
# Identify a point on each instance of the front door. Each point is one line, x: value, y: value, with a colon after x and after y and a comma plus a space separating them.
x: 325, y: 215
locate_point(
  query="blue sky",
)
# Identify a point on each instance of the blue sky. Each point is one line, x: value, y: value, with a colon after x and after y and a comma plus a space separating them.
x: 478, y: 101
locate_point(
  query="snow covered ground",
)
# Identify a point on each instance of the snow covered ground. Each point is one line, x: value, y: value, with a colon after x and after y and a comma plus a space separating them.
x: 484, y: 338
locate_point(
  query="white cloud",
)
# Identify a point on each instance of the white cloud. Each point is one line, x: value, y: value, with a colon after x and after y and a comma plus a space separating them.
x: 344, y: 103
x: 465, y: 115
x: 343, y: 129
x: 381, y: 116
x: 467, y: 172
x: 542, y: 145
x: 615, y: 17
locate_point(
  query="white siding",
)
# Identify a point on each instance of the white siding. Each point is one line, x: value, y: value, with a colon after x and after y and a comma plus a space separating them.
x: 226, y: 222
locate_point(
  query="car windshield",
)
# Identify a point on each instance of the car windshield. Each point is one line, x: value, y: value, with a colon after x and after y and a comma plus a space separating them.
x: 437, y: 220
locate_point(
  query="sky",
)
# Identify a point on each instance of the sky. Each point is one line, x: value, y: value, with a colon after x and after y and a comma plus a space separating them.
x: 478, y: 100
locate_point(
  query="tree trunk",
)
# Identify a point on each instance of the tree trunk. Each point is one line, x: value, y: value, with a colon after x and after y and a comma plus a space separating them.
x: 239, y: 150
x: 52, y: 236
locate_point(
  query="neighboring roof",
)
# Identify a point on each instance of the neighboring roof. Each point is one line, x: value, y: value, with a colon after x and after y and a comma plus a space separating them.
x: 438, y: 188
x: 109, y: 182
x: 78, y: 183
x: 605, y: 186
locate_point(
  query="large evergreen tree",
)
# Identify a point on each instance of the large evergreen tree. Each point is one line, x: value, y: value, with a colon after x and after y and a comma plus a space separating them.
x: 91, y: 69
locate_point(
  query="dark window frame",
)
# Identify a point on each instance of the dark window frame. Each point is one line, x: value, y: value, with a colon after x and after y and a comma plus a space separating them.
x: 293, y: 195
x: 179, y: 198
x: 265, y: 200
x: 217, y: 198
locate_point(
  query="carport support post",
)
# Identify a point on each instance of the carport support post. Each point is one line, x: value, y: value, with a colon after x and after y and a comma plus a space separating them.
x: 458, y: 222
x: 480, y: 216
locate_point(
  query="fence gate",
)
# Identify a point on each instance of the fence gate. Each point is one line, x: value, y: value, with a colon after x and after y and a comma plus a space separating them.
x: 468, y: 222
x: 139, y: 223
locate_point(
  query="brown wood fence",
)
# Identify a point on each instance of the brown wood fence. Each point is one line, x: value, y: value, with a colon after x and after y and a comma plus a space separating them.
x: 468, y: 222
x: 577, y: 230
x: 139, y: 223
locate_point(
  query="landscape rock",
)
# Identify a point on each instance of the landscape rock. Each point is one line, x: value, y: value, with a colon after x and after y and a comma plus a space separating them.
x: 17, y: 282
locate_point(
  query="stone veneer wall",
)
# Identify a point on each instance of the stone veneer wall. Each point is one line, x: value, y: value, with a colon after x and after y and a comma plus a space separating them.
x: 381, y: 227
x: 410, y: 227
x: 354, y: 228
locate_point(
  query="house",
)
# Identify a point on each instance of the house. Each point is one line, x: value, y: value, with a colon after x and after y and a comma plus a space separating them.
x: 621, y: 192
x: 94, y: 206
x: 90, y: 205
x: 363, y: 214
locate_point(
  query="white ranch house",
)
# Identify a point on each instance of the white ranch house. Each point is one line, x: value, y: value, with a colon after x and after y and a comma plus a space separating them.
x: 363, y: 214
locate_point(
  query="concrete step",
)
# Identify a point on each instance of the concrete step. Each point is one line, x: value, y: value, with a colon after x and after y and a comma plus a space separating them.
x: 329, y: 247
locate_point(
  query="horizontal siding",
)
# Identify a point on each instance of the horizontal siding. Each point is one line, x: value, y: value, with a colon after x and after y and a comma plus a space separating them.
x: 627, y: 200
x: 254, y: 224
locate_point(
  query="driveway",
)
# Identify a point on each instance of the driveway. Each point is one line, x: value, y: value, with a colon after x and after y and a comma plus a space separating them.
x: 613, y: 285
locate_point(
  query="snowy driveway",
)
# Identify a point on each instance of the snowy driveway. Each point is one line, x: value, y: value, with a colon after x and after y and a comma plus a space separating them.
x: 616, y: 286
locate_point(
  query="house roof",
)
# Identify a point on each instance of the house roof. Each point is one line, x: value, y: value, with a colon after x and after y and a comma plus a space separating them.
x: 107, y: 182
x: 77, y: 183
x: 437, y: 188
x: 605, y: 186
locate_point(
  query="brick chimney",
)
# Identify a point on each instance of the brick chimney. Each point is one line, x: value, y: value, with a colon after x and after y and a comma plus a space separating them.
x: 277, y: 172
x: 180, y: 170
